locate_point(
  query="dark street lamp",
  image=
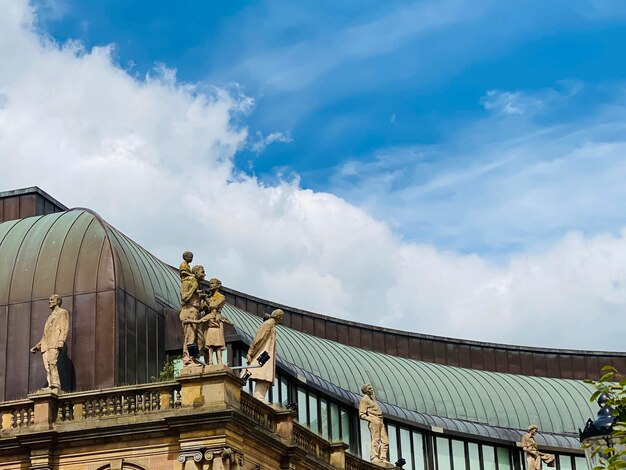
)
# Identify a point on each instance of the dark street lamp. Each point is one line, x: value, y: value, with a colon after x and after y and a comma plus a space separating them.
x: 596, y: 437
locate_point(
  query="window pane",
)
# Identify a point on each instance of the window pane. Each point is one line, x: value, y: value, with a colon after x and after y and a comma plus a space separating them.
x: 581, y: 463
x: 324, y: 417
x: 345, y: 426
x: 443, y: 453
x: 313, y: 413
x: 284, y: 392
x: 301, y: 406
x: 458, y: 455
x: 565, y: 462
x: 504, y: 459
x: 474, y: 456
x: 489, y: 459
x: 334, y: 422
x: 418, y: 451
x: 393, y: 443
x: 366, y: 440
x: 275, y: 392
x: 405, y: 448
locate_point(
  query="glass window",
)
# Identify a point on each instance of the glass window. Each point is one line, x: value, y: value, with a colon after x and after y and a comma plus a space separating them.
x: 393, y: 443
x: 580, y: 463
x: 302, y: 406
x: 474, y: 456
x: 443, y: 453
x: 334, y: 422
x: 565, y: 462
x: 345, y: 426
x: 504, y: 459
x: 274, y: 391
x: 366, y: 442
x: 458, y: 455
x: 324, y: 417
x: 284, y: 392
x: 489, y: 460
x: 418, y: 451
x: 313, y: 412
x: 405, y: 448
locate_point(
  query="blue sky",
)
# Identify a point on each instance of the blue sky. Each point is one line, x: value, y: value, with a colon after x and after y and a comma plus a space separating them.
x: 379, y: 102
x: 453, y: 167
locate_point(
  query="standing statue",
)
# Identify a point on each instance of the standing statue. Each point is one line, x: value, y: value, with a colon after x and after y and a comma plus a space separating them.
x: 214, y: 331
x: 187, y: 278
x: 54, y: 335
x: 371, y: 412
x: 191, y: 297
x: 264, y: 340
x: 534, y: 458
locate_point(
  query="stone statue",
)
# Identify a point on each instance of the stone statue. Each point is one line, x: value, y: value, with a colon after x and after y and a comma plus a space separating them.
x: 187, y: 278
x: 214, y: 321
x: 264, y: 340
x: 192, y: 298
x: 371, y: 412
x: 54, y: 335
x: 534, y: 458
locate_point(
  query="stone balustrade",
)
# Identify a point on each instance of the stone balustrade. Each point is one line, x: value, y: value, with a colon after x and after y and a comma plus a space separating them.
x: 17, y: 414
x: 261, y: 413
x: 355, y: 463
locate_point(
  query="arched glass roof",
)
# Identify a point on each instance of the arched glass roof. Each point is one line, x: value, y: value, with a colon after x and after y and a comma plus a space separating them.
x: 76, y: 252
x: 558, y: 406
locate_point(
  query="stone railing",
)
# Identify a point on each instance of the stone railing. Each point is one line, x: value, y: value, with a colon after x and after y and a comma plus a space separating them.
x: 46, y: 409
x: 258, y: 411
x: 355, y: 463
x: 17, y: 414
x: 118, y: 401
x: 311, y: 442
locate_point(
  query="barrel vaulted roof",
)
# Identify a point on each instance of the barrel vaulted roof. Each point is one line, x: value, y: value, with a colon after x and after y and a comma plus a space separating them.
x: 75, y: 252
x: 496, y: 399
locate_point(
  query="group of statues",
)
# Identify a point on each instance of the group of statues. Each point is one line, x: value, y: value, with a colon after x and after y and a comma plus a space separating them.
x: 201, y: 312
x: 203, y: 325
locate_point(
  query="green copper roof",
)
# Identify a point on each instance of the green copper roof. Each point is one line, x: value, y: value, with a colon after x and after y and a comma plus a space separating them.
x: 503, y: 400
x: 76, y: 252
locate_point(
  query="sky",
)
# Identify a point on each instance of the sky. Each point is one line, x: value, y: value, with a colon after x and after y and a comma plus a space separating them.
x: 451, y: 167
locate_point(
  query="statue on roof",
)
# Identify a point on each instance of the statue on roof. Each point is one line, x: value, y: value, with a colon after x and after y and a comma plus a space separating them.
x: 53, y: 340
x: 213, y: 321
x: 534, y: 458
x: 187, y: 279
x: 192, y: 298
x: 370, y: 411
x: 264, y: 341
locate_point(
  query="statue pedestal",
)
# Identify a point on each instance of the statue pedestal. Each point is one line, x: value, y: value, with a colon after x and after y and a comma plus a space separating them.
x: 45, y: 408
x: 216, y: 386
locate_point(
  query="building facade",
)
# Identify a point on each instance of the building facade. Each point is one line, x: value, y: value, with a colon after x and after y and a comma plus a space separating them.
x: 448, y: 404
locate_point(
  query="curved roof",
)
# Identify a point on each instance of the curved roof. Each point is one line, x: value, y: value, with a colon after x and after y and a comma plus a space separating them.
x: 76, y: 252
x: 496, y: 399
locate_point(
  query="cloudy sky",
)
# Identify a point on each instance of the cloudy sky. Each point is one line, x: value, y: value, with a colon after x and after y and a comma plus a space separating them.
x: 451, y: 167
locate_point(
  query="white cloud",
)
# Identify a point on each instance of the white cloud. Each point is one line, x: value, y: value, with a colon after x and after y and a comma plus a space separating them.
x: 506, y: 102
x: 154, y: 157
x: 260, y: 142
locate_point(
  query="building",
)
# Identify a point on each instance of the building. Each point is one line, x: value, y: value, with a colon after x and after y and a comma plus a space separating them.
x: 449, y: 404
